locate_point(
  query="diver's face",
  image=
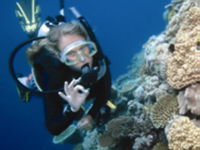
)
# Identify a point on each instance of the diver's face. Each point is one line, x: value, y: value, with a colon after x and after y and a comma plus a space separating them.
x: 74, y: 55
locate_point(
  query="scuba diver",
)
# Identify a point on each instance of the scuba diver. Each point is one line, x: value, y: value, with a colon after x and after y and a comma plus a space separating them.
x: 68, y: 69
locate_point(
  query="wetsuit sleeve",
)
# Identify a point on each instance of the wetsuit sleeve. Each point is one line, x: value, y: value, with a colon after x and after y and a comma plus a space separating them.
x: 103, y: 93
x: 55, y: 120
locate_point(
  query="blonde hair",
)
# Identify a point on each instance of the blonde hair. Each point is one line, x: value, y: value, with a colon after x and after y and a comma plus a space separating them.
x: 51, y: 41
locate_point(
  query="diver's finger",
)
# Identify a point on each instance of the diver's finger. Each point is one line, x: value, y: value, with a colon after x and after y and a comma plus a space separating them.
x: 66, y: 88
x: 72, y: 83
x: 77, y: 80
x: 62, y: 95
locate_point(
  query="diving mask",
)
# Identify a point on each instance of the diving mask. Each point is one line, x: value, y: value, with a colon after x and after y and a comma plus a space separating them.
x: 77, y: 51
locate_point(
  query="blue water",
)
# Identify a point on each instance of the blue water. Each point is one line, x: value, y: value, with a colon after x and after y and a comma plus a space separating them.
x: 120, y: 26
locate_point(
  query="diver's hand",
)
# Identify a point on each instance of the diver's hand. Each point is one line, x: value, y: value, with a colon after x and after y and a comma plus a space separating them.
x: 74, y: 94
x: 86, y: 123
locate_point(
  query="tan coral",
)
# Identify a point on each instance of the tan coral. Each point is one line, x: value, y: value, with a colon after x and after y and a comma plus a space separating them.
x: 183, y: 67
x: 183, y: 135
x: 163, y: 111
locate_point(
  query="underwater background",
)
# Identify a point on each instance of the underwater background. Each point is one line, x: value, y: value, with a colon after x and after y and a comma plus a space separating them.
x: 122, y: 27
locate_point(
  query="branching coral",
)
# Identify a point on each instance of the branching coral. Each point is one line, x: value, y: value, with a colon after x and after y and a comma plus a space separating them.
x: 90, y: 141
x: 163, y: 111
x: 147, y: 89
x: 156, y: 53
x: 134, y: 107
x: 189, y: 100
x: 183, y: 135
x: 140, y: 142
x: 184, y: 63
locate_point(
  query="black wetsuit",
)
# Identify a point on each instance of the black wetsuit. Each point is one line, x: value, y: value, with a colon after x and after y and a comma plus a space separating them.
x: 51, y: 74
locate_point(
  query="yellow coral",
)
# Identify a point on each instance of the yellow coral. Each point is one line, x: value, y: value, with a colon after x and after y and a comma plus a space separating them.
x: 183, y: 135
x: 183, y: 67
x: 163, y: 111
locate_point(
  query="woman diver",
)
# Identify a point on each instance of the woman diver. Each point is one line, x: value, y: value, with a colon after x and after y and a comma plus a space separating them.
x: 68, y: 58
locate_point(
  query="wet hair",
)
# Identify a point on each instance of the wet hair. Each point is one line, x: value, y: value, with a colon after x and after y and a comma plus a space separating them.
x: 51, y: 41
x: 65, y: 29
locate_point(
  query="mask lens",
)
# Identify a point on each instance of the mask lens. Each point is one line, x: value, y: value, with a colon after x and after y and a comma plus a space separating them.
x: 74, y: 53
x: 88, y: 49
x: 71, y: 58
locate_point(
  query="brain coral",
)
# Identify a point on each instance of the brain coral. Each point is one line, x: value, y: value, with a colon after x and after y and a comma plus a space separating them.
x: 183, y: 67
x: 163, y: 111
x: 183, y: 135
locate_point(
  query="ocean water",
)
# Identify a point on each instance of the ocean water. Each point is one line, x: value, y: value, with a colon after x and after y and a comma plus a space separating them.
x: 122, y: 27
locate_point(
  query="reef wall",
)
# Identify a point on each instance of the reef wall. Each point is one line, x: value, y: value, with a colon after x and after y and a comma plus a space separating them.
x: 158, y: 102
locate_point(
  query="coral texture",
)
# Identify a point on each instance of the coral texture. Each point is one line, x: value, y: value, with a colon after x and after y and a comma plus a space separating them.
x: 90, y: 141
x: 141, y: 141
x: 147, y: 89
x: 123, y: 127
x: 189, y: 100
x: 156, y: 55
x: 163, y: 111
x: 183, y: 135
x: 184, y: 63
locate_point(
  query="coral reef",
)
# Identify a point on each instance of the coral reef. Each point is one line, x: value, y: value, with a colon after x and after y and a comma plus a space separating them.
x: 134, y: 108
x: 156, y: 55
x: 127, y: 86
x: 163, y: 111
x: 172, y: 9
x: 141, y: 141
x: 166, y: 69
x: 125, y: 128
x: 184, y: 63
x: 91, y: 141
x: 189, y: 100
x: 183, y: 134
